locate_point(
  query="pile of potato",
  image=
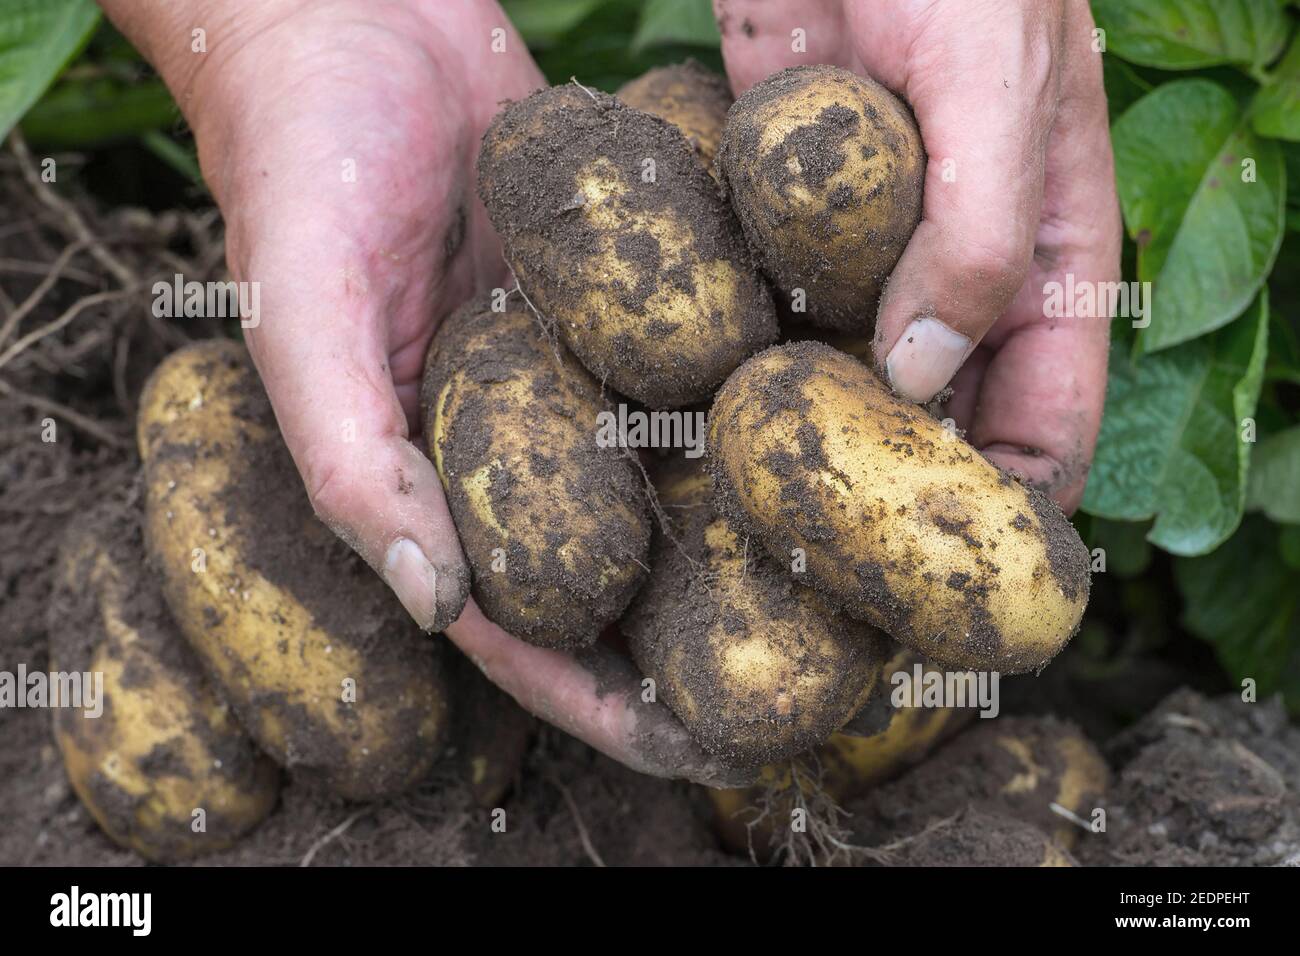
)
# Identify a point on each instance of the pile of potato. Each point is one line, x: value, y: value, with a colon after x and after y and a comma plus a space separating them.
x: 237, y: 636
x: 836, y: 533
x: 834, y: 518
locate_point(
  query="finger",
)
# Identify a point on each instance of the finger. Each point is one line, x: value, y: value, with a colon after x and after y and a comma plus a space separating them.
x: 760, y: 37
x: 594, y: 696
x: 322, y: 355
x: 1042, y: 396
x: 984, y: 93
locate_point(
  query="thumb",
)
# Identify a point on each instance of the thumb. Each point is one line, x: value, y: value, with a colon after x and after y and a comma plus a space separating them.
x: 973, y: 248
x: 327, y: 373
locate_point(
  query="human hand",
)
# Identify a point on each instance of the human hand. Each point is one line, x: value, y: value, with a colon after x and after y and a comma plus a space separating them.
x: 1009, y: 100
x: 339, y: 140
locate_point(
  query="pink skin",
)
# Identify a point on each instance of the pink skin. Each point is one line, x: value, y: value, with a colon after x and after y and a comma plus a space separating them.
x: 339, y: 137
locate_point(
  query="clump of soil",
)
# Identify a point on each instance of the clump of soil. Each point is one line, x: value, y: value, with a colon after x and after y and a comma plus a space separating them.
x: 1204, y: 782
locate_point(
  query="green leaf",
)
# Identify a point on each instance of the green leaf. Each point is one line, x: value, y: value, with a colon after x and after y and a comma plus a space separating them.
x: 1128, y: 553
x: 1275, y: 477
x: 178, y: 157
x: 543, y: 22
x: 677, y: 21
x: 1188, y: 34
x: 1243, y: 600
x: 1276, y: 110
x: 1290, y: 545
x: 37, y: 39
x: 1206, y: 234
x: 1170, y: 446
x: 92, y: 112
x: 1124, y: 86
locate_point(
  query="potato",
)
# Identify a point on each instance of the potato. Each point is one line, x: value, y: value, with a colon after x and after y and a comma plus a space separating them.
x: 902, y: 522
x: 555, y: 527
x: 757, y: 667
x: 689, y: 96
x: 1016, y: 767
x: 826, y: 171
x: 847, y: 765
x: 620, y: 239
x: 975, y: 837
x: 489, y: 736
x: 314, y: 653
x: 165, y: 745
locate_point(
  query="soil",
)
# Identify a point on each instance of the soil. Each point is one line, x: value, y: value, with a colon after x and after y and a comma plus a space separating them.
x: 1197, y: 780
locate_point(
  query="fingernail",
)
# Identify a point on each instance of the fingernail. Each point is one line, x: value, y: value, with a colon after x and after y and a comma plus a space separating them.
x: 430, y: 597
x: 925, y: 358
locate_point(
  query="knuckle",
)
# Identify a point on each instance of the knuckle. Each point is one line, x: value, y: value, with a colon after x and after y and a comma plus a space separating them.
x: 999, y: 259
x: 326, y: 482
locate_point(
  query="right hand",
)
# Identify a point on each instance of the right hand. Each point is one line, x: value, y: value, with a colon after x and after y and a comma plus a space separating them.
x: 339, y: 140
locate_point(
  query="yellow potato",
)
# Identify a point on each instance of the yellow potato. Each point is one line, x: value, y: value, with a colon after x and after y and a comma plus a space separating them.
x: 620, y: 239
x: 826, y: 171
x: 1034, y: 770
x: 489, y: 735
x: 164, y: 768
x: 757, y: 667
x: 901, y: 521
x: 555, y: 527
x: 689, y: 96
x: 318, y: 659
x: 847, y: 765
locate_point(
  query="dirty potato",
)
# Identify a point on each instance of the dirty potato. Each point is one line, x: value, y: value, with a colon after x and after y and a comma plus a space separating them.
x: 619, y: 237
x: 689, y: 96
x: 826, y: 171
x: 489, y: 734
x: 757, y: 667
x: 555, y: 527
x: 879, y: 742
x: 900, y: 520
x: 314, y: 653
x: 164, y: 767
x: 1015, y: 767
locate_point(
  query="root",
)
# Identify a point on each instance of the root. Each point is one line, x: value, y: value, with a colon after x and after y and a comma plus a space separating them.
x: 329, y: 837
x: 826, y: 839
x: 583, y: 835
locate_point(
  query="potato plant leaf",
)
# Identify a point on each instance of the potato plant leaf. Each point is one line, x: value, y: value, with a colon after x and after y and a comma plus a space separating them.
x: 1171, y: 443
x: 37, y: 38
x: 1242, y: 599
x: 1276, y: 110
x: 1275, y: 477
x: 543, y: 22
x: 1204, y: 201
x: 1188, y: 34
x: 689, y: 22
